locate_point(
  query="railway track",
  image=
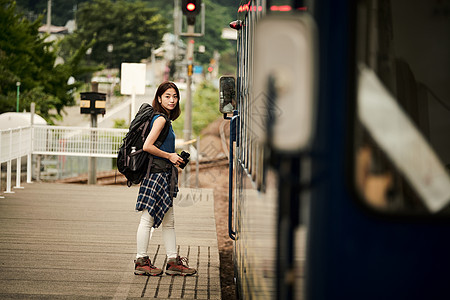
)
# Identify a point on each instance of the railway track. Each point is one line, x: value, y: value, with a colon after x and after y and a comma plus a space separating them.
x: 115, y: 178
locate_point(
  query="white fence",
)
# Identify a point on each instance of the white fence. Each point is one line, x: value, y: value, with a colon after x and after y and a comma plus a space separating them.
x: 14, y: 144
x: 92, y: 142
x: 54, y: 140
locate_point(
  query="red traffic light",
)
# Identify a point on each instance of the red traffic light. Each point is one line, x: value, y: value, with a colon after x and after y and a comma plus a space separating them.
x: 191, y: 9
x: 190, y: 6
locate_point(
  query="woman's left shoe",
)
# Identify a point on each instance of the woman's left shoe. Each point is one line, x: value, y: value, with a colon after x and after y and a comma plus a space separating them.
x: 179, y: 266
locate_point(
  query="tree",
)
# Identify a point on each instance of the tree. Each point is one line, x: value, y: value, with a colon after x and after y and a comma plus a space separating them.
x: 25, y: 56
x: 204, y: 110
x: 62, y: 10
x: 219, y: 13
x: 128, y: 30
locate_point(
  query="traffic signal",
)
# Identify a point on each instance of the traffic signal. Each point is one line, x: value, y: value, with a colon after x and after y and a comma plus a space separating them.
x: 191, y: 9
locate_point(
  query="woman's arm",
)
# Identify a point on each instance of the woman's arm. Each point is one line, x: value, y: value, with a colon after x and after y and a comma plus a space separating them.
x: 149, y: 146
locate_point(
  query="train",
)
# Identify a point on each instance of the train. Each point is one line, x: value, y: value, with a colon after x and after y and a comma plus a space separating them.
x: 339, y: 183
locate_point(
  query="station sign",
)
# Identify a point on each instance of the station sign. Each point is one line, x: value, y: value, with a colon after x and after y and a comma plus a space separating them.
x: 93, y: 103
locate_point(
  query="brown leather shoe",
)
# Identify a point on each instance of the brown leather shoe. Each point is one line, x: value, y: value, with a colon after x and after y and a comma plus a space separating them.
x: 143, y: 266
x: 179, y: 266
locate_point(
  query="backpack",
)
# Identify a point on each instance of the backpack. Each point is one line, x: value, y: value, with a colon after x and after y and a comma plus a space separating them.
x: 132, y: 160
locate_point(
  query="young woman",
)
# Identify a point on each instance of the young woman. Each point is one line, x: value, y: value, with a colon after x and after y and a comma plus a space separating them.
x: 157, y: 190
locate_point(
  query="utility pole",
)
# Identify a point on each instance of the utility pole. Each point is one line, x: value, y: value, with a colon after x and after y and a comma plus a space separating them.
x: 49, y: 15
x: 18, y: 93
x: 93, y: 103
x: 92, y: 164
x: 190, y: 9
x: 176, y: 33
x: 188, y: 105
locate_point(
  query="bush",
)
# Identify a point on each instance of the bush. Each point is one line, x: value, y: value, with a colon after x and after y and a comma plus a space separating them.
x: 205, y: 109
x: 121, y: 123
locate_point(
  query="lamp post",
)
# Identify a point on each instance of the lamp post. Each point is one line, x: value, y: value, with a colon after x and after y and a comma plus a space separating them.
x: 88, y: 62
x: 110, y: 49
x: 18, y: 93
x: 88, y: 53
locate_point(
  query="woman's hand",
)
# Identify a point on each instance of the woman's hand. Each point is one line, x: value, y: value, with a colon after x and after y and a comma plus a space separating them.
x: 175, y: 159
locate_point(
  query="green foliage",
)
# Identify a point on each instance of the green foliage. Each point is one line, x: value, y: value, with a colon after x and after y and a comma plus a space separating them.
x: 217, y: 18
x: 130, y: 27
x: 228, y: 62
x: 163, y: 7
x: 62, y: 10
x: 205, y: 109
x: 44, y: 103
x: 120, y: 123
x: 85, y: 68
x: 25, y: 56
x: 112, y: 28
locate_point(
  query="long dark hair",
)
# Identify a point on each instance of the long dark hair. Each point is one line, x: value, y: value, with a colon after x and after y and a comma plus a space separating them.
x: 162, y: 88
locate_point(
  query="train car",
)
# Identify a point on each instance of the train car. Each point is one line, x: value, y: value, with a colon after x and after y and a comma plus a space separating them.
x: 340, y: 149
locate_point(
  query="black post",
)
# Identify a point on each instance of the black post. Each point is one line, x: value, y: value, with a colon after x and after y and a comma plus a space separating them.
x: 92, y: 165
x: 288, y: 221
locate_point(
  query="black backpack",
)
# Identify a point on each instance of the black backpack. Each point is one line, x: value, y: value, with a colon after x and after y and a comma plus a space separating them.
x: 132, y: 160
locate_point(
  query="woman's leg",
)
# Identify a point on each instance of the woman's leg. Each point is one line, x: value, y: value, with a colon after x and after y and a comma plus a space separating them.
x: 144, y: 234
x: 175, y: 264
x: 168, y: 233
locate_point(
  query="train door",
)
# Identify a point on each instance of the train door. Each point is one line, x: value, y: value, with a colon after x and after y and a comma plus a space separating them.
x: 380, y: 208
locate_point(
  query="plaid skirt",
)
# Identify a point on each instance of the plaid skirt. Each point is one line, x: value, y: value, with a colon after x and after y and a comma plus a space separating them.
x: 154, y: 195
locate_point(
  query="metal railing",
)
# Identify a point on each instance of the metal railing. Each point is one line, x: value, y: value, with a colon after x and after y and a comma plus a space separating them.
x: 16, y: 143
x: 77, y: 141
x: 20, y: 142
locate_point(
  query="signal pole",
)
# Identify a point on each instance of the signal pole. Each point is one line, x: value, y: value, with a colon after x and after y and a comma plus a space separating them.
x: 49, y: 15
x: 188, y: 106
x: 176, y: 32
x: 190, y: 9
x: 190, y: 62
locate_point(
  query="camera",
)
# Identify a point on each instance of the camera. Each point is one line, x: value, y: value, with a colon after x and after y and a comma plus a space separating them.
x: 185, y: 156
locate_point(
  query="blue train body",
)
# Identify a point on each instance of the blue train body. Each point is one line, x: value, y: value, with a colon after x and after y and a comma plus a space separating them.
x: 356, y: 207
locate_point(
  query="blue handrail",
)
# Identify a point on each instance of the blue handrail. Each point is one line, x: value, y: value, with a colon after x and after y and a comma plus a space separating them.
x: 233, y: 135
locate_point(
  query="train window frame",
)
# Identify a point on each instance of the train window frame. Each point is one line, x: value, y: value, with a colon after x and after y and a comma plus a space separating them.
x: 250, y: 155
x: 404, y: 189
x: 251, y: 166
x: 243, y: 95
x: 240, y: 84
x: 252, y: 150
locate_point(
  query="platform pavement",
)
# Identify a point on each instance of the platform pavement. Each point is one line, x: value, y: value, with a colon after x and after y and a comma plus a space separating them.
x: 66, y: 241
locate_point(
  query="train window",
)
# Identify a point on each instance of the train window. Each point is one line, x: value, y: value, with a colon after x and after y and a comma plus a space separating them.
x: 283, y: 87
x: 252, y: 150
x: 247, y: 55
x: 402, y: 144
x: 227, y: 94
x: 250, y: 154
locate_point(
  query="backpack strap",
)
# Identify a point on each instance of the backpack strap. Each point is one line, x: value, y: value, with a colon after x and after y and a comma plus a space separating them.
x: 159, y: 141
x: 164, y: 132
x: 173, y: 181
x: 150, y: 163
x: 144, y: 131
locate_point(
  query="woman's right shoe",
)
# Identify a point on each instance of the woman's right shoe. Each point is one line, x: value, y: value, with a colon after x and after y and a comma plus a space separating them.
x: 143, y: 266
x: 179, y: 266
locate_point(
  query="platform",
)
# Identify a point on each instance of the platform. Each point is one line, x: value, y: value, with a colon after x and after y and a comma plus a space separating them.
x: 67, y: 241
